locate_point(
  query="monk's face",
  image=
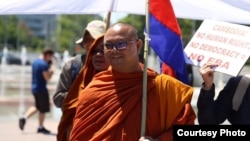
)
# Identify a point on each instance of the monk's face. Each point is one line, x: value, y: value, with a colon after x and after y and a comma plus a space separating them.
x: 121, y: 48
x: 98, y: 60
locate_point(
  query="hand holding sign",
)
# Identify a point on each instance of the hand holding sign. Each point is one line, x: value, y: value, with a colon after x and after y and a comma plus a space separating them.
x: 207, y: 74
x: 225, y: 44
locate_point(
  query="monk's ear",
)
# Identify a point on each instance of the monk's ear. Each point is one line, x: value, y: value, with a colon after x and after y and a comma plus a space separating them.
x: 139, y: 44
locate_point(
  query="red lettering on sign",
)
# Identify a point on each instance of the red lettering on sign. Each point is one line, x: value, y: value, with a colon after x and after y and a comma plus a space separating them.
x: 220, y: 62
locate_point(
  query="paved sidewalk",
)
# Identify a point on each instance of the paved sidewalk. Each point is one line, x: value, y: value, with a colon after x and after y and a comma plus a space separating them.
x: 11, y: 132
x: 9, y: 117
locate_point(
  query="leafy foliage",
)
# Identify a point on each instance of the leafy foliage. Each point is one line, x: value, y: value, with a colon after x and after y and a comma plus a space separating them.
x: 69, y: 28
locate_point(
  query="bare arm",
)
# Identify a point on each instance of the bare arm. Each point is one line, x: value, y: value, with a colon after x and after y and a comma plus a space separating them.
x: 48, y: 74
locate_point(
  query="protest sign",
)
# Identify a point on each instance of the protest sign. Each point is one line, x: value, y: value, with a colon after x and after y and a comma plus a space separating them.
x: 220, y: 42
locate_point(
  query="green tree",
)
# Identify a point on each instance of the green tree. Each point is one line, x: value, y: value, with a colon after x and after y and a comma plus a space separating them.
x: 188, y: 28
x: 8, y: 32
x: 15, y: 33
x: 70, y: 28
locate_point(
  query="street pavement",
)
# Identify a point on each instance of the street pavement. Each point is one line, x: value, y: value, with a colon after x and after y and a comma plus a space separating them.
x: 11, y: 132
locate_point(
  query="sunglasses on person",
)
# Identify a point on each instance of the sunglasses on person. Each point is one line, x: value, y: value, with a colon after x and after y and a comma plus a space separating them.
x: 95, y: 51
x: 121, y: 45
x: 98, y: 49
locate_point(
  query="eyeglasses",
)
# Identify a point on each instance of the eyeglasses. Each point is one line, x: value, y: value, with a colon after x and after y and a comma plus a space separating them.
x: 121, y: 45
x: 98, y: 50
x: 95, y: 51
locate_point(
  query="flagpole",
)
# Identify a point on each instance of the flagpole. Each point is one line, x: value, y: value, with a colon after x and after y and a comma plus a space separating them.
x: 107, y: 20
x: 144, y: 94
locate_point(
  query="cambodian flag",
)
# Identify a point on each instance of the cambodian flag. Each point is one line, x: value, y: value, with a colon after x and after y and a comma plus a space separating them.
x: 165, y: 37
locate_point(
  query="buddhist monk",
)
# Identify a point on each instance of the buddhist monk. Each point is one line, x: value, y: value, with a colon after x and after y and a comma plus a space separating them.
x: 95, y: 62
x: 110, y: 107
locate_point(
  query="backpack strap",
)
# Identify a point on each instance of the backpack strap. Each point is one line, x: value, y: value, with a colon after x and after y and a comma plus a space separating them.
x: 240, y: 92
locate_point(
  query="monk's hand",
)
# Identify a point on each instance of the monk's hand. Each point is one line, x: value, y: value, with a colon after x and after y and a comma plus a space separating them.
x: 147, y: 138
x: 207, y: 74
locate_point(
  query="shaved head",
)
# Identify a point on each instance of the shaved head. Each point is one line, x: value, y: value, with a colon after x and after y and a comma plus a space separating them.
x: 128, y: 29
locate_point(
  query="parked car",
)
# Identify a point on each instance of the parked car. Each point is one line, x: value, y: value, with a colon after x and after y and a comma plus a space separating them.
x: 12, y: 59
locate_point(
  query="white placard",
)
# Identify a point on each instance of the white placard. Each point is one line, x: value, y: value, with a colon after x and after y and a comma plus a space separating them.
x: 220, y: 42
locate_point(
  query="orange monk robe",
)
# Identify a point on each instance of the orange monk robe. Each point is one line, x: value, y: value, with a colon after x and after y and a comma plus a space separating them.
x: 71, y: 100
x: 110, y: 107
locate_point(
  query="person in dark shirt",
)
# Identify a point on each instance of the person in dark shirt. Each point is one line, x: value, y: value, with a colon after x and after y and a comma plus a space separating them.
x: 41, y: 74
x: 217, y: 111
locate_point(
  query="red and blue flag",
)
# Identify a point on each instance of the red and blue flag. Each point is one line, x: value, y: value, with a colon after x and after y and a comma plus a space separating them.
x: 165, y: 37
